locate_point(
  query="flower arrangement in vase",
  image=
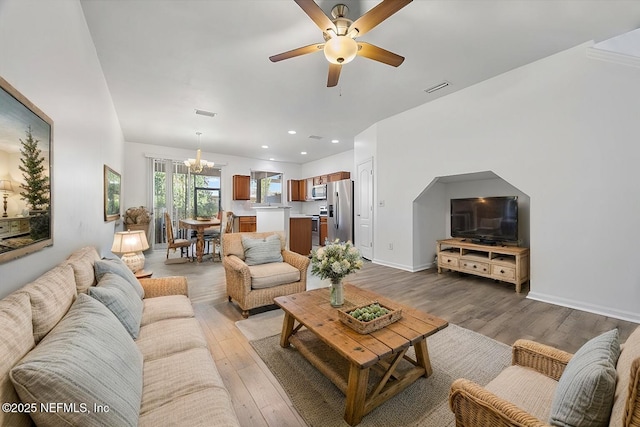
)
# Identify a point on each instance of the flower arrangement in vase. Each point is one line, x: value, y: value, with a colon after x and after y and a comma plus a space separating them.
x: 335, y: 261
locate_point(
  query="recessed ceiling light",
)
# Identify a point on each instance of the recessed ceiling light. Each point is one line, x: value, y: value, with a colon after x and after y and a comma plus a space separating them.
x: 335, y: 141
x: 303, y: 152
x: 271, y: 158
x: 265, y: 146
x: 292, y: 132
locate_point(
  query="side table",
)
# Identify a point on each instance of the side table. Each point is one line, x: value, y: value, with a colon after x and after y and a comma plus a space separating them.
x: 143, y: 274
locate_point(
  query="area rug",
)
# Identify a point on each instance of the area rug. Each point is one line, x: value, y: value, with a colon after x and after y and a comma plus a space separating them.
x: 455, y: 352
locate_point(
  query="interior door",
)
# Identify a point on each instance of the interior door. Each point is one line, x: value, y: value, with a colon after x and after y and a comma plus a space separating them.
x: 364, y: 209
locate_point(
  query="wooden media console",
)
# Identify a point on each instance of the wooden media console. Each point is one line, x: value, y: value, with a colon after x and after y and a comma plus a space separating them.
x: 505, y: 263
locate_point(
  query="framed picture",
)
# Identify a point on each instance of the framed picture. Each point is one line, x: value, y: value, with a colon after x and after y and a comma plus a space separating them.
x: 26, y: 146
x: 112, y: 190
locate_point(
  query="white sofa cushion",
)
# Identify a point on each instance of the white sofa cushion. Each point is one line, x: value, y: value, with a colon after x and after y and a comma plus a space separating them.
x: 51, y: 296
x: 166, y: 337
x: 525, y: 388
x: 82, y: 262
x: 262, y: 251
x: 118, y: 267
x: 87, y: 358
x: 273, y: 274
x: 166, y: 307
x: 119, y: 296
x: 17, y: 340
x: 630, y: 352
x: 585, y: 391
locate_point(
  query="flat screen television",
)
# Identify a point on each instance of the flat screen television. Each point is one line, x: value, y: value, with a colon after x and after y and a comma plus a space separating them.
x: 486, y: 220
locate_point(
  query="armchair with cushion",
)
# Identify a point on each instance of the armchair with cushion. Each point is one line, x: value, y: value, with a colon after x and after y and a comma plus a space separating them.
x: 545, y: 386
x: 260, y: 269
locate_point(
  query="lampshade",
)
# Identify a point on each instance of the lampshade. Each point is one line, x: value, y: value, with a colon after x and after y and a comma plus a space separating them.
x: 340, y: 49
x: 5, y: 185
x: 131, y: 244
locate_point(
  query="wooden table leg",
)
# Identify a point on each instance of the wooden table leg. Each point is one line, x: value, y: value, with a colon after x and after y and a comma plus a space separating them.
x: 356, y: 394
x: 200, y: 244
x: 422, y: 357
x: 287, y: 329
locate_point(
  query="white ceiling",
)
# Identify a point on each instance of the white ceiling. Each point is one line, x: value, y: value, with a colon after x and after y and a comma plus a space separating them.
x: 163, y: 59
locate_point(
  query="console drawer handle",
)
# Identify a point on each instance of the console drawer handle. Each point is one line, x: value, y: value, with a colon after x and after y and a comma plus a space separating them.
x: 501, y: 271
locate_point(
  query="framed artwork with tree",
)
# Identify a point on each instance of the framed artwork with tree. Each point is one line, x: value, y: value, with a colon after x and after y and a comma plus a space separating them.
x: 26, y: 147
x: 112, y: 190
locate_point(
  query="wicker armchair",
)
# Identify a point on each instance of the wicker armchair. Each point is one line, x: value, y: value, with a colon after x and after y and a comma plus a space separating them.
x: 240, y: 277
x: 521, y: 395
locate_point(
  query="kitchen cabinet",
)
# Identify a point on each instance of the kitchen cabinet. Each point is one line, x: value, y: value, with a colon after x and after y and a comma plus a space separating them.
x: 247, y: 224
x: 338, y: 176
x: 323, y: 230
x: 241, y: 187
x: 300, y: 235
x: 319, y: 180
x: 297, y: 190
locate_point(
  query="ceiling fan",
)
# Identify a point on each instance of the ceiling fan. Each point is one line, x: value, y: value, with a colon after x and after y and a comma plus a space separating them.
x: 340, y: 46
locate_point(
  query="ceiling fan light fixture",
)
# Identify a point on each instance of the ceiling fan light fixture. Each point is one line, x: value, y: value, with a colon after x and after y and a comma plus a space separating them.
x: 340, y: 50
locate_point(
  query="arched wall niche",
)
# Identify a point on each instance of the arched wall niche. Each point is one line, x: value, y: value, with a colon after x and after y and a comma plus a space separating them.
x: 431, y: 210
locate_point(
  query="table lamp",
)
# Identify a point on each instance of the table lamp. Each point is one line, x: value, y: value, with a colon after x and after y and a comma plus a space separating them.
x: 6, y: 188
x: 131, y: 244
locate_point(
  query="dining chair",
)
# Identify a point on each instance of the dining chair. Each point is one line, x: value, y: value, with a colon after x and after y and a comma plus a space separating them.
x: 173, y: 243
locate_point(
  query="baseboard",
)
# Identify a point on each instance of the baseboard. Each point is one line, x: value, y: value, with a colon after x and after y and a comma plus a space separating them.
x: 591, y: 308
x: 392, y: 264
x: 409, y: 268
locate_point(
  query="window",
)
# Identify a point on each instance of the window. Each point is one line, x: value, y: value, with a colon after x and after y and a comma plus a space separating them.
x: 206, y: 193
x: 266, y: 187
x: 183, y: 194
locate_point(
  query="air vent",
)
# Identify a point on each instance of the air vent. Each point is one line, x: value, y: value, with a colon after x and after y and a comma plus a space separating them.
x: 437, y: 87
x: 205, y: 113
x: 316, y: 137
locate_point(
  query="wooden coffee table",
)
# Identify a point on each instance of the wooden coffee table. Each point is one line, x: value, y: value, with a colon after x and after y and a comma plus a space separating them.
x: 346, y: 357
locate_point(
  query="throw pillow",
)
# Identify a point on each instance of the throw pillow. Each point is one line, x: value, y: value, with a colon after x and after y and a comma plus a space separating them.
x: 119, y: 296
x: 118, y: 267
x: 585, y: 391
x: 262, y: 251
x: 87, y: 359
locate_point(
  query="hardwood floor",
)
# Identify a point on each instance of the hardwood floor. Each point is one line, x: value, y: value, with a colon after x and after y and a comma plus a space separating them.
x: 482, y: 305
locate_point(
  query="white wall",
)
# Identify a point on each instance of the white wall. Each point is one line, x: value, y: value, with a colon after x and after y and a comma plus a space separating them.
x: 336, y: 163
x: 564, y: 130
x: 47, y: 54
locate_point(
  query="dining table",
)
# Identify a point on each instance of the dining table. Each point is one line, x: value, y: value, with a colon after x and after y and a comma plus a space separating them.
x: 199, y: 225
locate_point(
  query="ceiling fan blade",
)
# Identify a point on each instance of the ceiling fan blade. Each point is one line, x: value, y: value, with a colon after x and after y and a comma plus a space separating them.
x: 297, y: 52
x: 379, y: 54
x: 317, y: 15
x: 376, y: 15
x: 334, y: 74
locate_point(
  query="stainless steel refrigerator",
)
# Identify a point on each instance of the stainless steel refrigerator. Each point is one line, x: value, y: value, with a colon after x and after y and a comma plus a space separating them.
x: 340, y: 210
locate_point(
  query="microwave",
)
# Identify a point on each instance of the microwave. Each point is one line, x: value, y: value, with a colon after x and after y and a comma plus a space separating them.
x: 319, y: 192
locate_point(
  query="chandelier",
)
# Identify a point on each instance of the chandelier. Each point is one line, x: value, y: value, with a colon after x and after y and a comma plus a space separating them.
x: 198, y: 164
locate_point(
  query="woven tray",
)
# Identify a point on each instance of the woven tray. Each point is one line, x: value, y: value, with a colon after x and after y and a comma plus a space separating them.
x: 372, y: 325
